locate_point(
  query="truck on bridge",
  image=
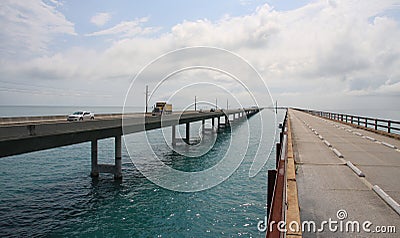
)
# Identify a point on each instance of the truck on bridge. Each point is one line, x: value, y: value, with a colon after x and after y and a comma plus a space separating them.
x: 162, y: 108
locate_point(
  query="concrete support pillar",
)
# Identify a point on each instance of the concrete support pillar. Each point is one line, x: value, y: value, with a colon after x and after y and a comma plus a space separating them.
x: 187, y: 132
x: 118, y: 158
x: 218, y: 122
x: 173, y: 135
x: 212, y: 122
x: 203, y: 122
x: 95, y: 167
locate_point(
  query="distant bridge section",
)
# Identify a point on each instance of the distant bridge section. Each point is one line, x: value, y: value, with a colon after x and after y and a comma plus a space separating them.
x: 387, y: 127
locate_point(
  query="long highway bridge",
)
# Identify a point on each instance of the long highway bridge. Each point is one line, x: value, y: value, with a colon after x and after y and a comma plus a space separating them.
x: 27, y: 134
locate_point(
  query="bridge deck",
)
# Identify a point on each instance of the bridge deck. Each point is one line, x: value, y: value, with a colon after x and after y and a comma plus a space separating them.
x: 22, y: 135
x: 326, y: 184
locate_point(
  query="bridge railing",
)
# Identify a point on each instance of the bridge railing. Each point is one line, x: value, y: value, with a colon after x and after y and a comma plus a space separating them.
x: 4, y: 120
x: 276, y: 200
x: 389, y: 126
x: 25, y: 119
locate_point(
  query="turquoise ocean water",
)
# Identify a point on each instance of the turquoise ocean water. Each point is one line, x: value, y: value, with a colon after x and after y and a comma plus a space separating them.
x: 50, y: 193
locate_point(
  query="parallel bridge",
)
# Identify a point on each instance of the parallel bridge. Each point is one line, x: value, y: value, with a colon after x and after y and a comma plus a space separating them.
x: 28, y: 134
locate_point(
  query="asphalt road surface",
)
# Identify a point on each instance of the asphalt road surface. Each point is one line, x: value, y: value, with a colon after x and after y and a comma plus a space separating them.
x: 327, y: 185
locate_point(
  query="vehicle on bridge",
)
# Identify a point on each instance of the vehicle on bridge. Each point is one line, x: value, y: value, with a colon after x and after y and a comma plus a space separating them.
x: 162, y: 108
x: 80, y: 116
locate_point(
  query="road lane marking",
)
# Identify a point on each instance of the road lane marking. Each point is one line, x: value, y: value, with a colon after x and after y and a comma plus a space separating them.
x: 369, y: 138
x: 388, y: 145
x: 357, y: 133
x: 355, y: 169
x: 389, y: 200
x: 327, y: 143
x: 337, y: 153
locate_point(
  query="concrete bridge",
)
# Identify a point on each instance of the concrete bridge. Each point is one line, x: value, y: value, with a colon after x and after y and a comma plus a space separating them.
x: 338, y: 167
x: 27, y: 134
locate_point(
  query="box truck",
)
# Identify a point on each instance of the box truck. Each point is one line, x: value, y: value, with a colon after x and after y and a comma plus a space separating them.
x: 162, y: 108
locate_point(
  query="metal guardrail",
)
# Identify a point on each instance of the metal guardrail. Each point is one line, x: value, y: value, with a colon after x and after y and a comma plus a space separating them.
x: 276, y: 200
x: 389, y: 126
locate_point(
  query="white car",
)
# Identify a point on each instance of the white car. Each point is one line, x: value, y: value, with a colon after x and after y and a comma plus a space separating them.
x: 80, y: 116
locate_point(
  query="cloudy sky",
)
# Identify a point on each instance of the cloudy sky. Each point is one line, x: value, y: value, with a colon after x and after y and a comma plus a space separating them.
x: 328, y: 54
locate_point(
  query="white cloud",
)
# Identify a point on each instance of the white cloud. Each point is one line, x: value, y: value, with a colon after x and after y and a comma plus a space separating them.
x: 100, y: 18
x: 244, y: 2
x: 386, y: 89
x: 332, y: 49
x: 28, y: 27
x: 390, y: 89
x: 127, y: 29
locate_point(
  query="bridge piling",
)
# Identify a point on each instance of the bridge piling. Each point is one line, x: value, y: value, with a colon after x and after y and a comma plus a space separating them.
x: 226, y: 120
x: 173, y: 135
x: 95, y: 170
x: 115, y: 169
x: 187, y: 139
x: 118, y: 158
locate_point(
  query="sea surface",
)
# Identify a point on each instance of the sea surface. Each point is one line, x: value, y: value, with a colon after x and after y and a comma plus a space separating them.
x: 50, y: 193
